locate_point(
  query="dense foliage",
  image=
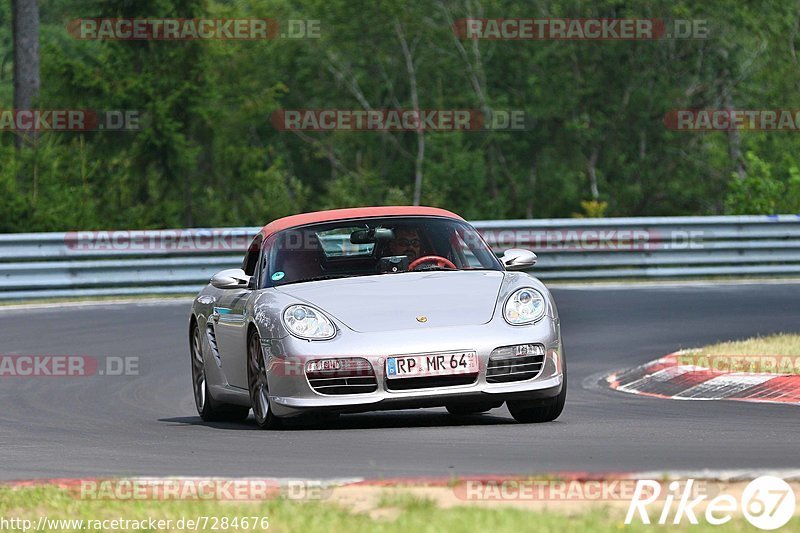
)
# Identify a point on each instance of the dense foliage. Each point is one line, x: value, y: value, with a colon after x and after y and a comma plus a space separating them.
x: 596, y: 143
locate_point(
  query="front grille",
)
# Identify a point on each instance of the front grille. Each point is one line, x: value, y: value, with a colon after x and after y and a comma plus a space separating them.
x: 504, y: 366
x: 430, y: 381
x: 354, y: 376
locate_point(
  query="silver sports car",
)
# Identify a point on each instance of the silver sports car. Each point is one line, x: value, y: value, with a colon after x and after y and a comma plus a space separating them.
x: 363, y: 309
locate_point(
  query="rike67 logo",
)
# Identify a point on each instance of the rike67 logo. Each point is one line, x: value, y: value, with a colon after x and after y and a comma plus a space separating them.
x: 767, y: 502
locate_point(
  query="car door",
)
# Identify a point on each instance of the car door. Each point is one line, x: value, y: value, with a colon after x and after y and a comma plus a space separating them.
x: 230, y: 320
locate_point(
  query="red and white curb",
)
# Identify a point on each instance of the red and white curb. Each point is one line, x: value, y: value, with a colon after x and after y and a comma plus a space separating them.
x: 669, y: 377
x: 70, y: 482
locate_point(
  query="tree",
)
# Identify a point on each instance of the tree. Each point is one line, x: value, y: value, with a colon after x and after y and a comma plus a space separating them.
x: 25, y: 24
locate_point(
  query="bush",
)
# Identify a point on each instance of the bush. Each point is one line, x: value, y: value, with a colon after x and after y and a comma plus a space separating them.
x: 759, y: 193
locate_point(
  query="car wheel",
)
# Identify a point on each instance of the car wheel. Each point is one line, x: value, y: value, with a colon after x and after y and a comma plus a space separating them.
x: 545, y: 410
x: 257, y: 382
x: 209, y: 409
x: 470, y: 408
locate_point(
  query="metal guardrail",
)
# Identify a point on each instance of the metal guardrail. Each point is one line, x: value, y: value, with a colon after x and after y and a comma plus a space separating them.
x: 48, y: 265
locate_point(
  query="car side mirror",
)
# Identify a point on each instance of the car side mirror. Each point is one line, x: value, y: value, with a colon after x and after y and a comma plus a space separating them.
x: 233, y: 278
x: 518, y: 259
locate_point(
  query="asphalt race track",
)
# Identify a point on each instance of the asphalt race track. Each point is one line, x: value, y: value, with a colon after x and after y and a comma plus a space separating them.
x: 147, y: 424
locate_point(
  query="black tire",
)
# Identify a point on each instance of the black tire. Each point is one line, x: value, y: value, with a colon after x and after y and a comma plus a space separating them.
x: 535, y: 411
x: 257, y: 384
x: 209, y: 409
x: 461, y: 409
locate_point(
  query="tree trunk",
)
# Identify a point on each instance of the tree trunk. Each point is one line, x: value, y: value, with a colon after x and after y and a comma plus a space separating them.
x: 25, y: 25
x: 591, y: 170
x: 531, y: 187
x: 419, y: 160
x: 734, y: 138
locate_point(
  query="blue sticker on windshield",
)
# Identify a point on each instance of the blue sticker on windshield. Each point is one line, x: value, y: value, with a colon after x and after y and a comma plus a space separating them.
x: 277, y: 276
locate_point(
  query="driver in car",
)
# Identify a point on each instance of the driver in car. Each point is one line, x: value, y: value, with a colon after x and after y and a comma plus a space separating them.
x: 406, y: 242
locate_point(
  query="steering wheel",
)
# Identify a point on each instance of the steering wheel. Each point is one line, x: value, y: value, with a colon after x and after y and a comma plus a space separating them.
x: 438, y: 259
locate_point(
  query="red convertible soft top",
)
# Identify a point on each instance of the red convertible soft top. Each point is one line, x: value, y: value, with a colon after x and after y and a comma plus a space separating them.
x: 354, y: 212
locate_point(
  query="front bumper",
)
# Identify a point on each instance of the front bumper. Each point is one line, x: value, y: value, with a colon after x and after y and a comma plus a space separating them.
x: 292, y: 395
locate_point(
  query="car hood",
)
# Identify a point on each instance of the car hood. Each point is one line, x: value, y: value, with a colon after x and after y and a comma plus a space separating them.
x: 405, y: 301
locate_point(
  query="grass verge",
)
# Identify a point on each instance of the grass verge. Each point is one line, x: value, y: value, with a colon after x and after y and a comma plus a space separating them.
x: 780, y: 344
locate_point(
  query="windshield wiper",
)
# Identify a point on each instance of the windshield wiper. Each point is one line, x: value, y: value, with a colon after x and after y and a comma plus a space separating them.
x: 319, y: 278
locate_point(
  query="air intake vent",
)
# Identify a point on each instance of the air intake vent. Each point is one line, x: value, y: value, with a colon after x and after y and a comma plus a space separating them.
x: 515, y: 363
x: 428, y: 382
x: 341, y: 376
x: 212, y: 341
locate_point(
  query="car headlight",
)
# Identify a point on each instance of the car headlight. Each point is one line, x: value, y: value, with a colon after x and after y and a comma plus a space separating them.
x: 524, y: 306
x: 308, y: 323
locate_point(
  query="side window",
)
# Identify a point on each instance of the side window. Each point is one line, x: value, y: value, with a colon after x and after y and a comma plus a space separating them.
x: 266, y: 265
x: 251, y: 258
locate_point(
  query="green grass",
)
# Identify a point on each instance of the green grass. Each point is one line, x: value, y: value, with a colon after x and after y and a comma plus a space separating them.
x: 779, y: 344
x: 410, y: 514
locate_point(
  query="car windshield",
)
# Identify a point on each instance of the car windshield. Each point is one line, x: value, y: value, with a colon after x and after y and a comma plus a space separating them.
x: 366, y: 247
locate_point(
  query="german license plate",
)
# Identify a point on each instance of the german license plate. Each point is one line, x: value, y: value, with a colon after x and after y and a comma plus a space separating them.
x: 441, y: 364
